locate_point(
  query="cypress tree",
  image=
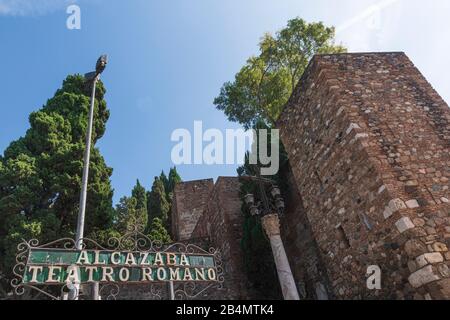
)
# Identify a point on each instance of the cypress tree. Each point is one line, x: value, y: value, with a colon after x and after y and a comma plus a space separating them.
x: 130, y: 214
x: 158, y: 206
x: 40, y: 173
x: 140, y: 195
x: 164, y: 180
x: 174, y: 178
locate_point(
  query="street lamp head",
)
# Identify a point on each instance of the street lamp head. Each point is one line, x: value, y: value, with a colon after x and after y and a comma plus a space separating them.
x: 275, y: 192
x: 101, y: 64
x: 279, y: 203
x: 249, y: 199
x: 254, y: 211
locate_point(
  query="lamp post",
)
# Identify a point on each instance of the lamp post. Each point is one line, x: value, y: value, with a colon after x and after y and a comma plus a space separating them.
x: 91, y: 78
x: 270, y: 209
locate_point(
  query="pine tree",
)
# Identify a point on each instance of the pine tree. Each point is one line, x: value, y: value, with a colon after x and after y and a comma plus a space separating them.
x: 40, y: 173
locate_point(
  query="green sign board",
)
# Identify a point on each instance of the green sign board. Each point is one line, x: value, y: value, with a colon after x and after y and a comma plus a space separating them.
x: 59, y: 266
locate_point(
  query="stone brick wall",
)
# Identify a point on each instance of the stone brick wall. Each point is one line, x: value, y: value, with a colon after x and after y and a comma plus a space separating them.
x: 189, y: 203
x: 368, y: 141
x: 301, y: 247
x: 221, y: 222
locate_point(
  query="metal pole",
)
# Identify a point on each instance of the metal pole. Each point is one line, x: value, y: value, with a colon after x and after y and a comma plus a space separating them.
x: 171, y: 291
x: 95, y: 291
x: 84, y: 184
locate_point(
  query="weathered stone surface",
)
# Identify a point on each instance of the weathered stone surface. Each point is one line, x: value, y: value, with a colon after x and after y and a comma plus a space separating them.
x: 429, y: 258
x: 415, y: 248
x: 224, y: 221
x: 443, y: 270
x: 387, y: 212
x: 447, y: 255
x: 440, y: 289
x: 440, y: 247
x: 378, y: 147
x: 412, y: 204
x: 220, y: 222
x: 189, y: 203
x: 404, y: 224
x: 368, y: 140
x: 423, y: 276
x: 396, y: 204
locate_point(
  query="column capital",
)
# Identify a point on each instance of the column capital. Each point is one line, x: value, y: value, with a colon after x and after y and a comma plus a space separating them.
x: 271, y: 224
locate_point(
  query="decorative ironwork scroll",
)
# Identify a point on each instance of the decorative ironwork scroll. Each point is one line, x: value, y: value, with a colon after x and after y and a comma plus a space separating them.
x: 134, y: 240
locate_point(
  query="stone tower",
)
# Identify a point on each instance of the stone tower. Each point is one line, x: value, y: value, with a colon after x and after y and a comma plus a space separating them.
x: 189, y: 203
x: 369, y: 145
x: 210, y: 214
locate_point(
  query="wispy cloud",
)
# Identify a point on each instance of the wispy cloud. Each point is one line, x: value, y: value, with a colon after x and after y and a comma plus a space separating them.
x: 32, y: 7
x: 368, y: 15
x: 372, y: 28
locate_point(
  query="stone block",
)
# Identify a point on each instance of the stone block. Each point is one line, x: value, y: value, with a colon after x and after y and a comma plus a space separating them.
x: 423, y: 276
x: 412, y: 204
x: 387, y: 212
x: 396, y: 205
x: 440, y: 247
x: 404, y: 224
x: 429, y: 258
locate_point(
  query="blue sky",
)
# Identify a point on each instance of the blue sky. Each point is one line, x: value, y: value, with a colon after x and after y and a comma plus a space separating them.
x: 168, y: 60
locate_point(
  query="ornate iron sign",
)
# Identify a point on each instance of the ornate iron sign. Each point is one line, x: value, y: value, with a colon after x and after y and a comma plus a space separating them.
x: 133, y: 259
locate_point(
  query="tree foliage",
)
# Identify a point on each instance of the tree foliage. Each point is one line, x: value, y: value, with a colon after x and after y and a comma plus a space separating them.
x: 150, y: 209
x: 264, y: 84
x: 140, y: 195
x: 40, y: 173
x: 255, y: 99
x: 169, y: 186
x: 130, y: 214
x: 158, y: 206
x: 174, y: 178
x: 165, y: 181
x: 158, y: 231
x: 258, y: 259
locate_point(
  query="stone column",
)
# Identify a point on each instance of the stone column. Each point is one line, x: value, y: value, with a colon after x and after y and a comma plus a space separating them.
x: 271, y: 225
